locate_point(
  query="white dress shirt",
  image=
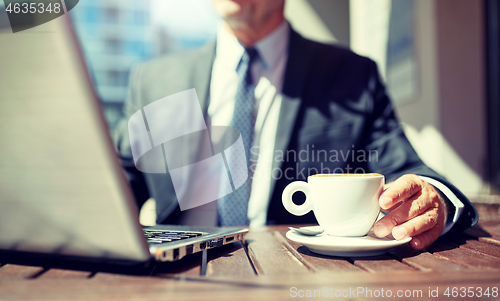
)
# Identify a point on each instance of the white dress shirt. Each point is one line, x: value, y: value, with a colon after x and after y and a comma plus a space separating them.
x: 268, y: 74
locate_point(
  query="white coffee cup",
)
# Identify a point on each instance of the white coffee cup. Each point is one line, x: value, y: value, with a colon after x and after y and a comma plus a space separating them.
x: 343, y: 204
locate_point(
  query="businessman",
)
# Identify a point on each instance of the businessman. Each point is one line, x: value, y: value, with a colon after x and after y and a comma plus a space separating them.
x: 302, y: 108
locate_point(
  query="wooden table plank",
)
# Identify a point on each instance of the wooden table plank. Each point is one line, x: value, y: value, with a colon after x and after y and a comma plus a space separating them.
x: 424, y: 261
x: 428, y: 262
x: 490, y: 240
x: 318, y: 262
x: 111, y: 277
x: 226, y: 260
x: 381, y: 264
x: 65, y: 274
x: 464, y: 256
x: 188, y: 266
x: 479, y: 232
x: 262, y: 288
x: 490, y: 226
x: 482, y: 247
x: 269, y: 256
x: 234, y: 263
x: 152, y: 289
x: 15, y: 272
x: 483, y: 235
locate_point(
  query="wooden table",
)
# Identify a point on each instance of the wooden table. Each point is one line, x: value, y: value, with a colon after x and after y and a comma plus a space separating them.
x: 269, y: 266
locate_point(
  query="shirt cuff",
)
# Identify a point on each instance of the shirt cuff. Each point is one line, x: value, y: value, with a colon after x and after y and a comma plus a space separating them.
x: 459, y: 206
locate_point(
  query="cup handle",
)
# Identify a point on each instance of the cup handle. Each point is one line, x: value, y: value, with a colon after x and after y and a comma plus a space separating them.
x: 286, y: 198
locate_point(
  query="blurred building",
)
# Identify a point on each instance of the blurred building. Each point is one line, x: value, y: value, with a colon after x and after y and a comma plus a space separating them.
x: 117, y: 34
x: 114, y: 36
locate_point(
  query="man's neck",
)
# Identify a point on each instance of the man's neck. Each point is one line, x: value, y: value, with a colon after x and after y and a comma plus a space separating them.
x: 249, y: 34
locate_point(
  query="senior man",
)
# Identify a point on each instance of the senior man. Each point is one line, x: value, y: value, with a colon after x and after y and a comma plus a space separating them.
x: 294, y: 100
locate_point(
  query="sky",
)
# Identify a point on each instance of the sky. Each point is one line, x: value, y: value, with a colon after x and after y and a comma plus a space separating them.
x: 185, y: 17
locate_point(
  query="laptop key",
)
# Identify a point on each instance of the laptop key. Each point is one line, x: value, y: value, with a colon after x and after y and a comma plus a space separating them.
x: 160, y: 239
x: 162, y: 236
x: 153, y: 241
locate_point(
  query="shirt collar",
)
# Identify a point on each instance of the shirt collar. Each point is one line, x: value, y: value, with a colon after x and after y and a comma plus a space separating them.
x: 270, y: 48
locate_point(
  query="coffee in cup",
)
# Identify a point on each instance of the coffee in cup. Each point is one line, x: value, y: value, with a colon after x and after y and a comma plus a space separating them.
x: 343, y: 204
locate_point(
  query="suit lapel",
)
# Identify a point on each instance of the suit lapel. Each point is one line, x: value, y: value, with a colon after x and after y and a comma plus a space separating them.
x: 202, y: 72
x: 191, y: 149
x: 200, y: 147
x: 296, y: 74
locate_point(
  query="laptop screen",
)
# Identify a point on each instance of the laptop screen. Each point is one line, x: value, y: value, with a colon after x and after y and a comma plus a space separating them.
x: 61, y: 188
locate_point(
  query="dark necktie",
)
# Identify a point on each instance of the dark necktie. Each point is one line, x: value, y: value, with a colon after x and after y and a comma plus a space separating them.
x: 232, y: 209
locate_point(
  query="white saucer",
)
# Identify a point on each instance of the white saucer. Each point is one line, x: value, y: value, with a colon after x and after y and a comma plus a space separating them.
x: 368, y: 245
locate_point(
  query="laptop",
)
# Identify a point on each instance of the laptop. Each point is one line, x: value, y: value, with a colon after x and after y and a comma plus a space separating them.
x: 62, y: 190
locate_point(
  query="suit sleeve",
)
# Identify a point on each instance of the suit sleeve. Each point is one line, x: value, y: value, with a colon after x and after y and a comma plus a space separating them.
x: 122, y: 141
x: 394, y: 154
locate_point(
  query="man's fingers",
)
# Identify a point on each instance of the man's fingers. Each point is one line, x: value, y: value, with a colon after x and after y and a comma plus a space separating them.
x: 386, y: 186
x: 415, y: 210
x: 425, y: 239
x: 400, y: 190
x: 417, y: 225
x: 412, y: 208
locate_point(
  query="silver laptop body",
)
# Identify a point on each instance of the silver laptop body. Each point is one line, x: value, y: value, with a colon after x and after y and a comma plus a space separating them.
x: 62, y: 190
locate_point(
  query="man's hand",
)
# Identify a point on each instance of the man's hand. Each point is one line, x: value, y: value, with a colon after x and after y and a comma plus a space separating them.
x: 415, y: 209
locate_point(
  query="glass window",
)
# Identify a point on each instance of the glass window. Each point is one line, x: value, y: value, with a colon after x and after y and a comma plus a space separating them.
x: 116, y: 35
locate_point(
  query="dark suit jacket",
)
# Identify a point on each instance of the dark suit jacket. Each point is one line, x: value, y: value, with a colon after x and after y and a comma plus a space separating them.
x: 334, y: 109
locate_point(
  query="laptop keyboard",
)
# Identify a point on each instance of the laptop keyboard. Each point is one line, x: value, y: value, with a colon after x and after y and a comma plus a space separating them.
x: 162, y: 236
